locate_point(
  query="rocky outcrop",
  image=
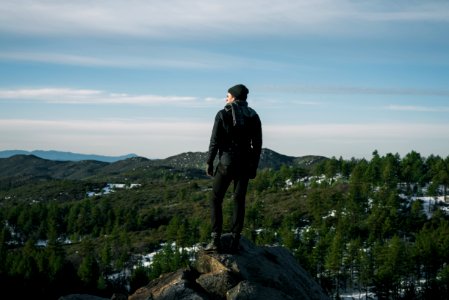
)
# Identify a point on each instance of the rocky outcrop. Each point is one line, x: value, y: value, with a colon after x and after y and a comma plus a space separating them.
x: 252, y: 273
x: 81, y: 297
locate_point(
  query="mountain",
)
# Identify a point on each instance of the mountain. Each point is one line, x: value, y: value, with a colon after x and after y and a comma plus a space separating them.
x: 25, y: 167
x: 186, y: 160
x: 31, y: 166
x: 268, y: 159
x: 65, y: 156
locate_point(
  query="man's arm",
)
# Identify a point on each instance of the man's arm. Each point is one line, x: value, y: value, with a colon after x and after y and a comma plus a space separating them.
x: 256, y: 147
x: 257, y: 139
x: 213, y: 146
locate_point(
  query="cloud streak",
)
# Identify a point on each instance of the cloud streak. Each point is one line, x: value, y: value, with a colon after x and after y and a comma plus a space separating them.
x: 353, y: 90
x: 150, y: 138
x: 414, y: 108
x: 86, y: 96
x: 164, y: 18
x: 61, y: 58
x: 177, y: 57
x: 158, y: 138
x: 358, y: 140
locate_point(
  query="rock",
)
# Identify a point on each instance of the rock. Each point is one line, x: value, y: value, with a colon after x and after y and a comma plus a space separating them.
x: 252, y: 291
x: 176, y: 285
x: 81, y: 297
x: 217, y: 284
x: 253, y: 273
x: 118, y: 296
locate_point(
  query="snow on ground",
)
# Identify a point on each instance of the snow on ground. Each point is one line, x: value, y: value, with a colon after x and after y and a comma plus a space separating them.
x: 146, y: 260
x: 358, y: 296
x: 430, y: 203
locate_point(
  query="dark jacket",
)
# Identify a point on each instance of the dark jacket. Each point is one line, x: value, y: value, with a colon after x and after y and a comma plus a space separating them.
x: 237, y: 138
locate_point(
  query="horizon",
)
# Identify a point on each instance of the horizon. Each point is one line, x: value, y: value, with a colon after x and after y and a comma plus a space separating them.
x: 31, y: 152
x: 328, y: 78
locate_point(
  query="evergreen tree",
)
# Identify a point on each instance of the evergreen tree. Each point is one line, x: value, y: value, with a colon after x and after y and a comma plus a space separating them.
x: 286, y: 232
x: 373, y: 172
x: 331, y: 168
x: 390, y: 172
x: 88, y: 270
x: 4, y: 238
x: 55, y: 254
x: 139, y: 277
x: 334, y: 260
x: 442, y: 174
x: 412, y: 171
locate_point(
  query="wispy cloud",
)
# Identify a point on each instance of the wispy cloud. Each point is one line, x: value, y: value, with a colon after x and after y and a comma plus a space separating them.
x: 356, y: 131
x: 358, y: 140
x: 59, y: 58
x: 110, y: 127
x: 413, y: 108
x: 86, y: 96
x: 151, y: 138
x: 176, y: 57
x: 161, y: 138
x: 165, y: 18
x: 353, y: 90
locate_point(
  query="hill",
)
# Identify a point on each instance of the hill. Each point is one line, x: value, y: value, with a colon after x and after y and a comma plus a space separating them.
x: 381, y: 223
x: 32, y: 167
x: 268, y: 159
x: 64, y: 156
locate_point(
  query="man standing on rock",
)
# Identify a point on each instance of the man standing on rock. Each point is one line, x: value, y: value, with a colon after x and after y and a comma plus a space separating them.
x: 237, y: 139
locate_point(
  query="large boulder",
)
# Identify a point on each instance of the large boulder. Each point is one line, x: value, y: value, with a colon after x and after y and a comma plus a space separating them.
x: 255, y: 272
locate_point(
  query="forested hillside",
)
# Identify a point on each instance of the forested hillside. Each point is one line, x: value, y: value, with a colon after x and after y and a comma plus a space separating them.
x: 377, y: 227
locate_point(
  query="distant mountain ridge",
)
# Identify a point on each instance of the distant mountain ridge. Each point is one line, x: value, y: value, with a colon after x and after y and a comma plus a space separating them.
x: 31, y: 166
x: 268, y: 159
x: 65, y: 156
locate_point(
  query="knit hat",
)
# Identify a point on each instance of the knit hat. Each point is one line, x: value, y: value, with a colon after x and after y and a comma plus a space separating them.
x: 239, y: 91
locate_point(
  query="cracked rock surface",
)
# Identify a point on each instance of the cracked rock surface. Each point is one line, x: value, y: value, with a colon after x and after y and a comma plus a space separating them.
x: 255, y: 272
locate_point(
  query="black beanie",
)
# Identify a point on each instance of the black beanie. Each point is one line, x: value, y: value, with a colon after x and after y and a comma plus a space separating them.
x: 239, y: 91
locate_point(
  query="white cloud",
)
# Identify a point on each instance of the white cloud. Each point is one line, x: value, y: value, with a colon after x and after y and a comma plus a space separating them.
x: 161, y: 57
x: 150, y: 138
x: 361, y: 131
x: 184, y: 18
x: 85, y: 96
x: 414, y: 108
x: 358, y: 140
x: 60, y: 58
x: 353, y: 90
x: 158, y: 138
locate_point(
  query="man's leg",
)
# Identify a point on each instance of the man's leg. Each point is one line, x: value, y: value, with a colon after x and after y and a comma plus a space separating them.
x: 220, y: 185
x: 240, y: 188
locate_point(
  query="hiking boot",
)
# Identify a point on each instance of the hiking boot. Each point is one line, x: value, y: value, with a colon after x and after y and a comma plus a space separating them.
x: 235, y: 243
x: 215, y: 244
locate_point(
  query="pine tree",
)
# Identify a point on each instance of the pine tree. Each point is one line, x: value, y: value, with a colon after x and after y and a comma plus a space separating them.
x: 412, y: 170
x: 334, y: 260
x: 89, y: 270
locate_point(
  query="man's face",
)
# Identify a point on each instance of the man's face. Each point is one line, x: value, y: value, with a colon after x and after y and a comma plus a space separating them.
x: 229, y: 98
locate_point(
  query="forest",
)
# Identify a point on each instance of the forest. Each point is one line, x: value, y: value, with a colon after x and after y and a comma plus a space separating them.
x: 355, y: 225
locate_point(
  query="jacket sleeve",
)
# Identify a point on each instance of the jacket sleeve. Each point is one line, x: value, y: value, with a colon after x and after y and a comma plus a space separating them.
x: 256, y: 147
x: 256, y: 141
x: 214, y: 140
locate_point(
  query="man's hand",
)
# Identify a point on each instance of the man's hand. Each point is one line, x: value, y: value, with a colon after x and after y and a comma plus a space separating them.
x: 210, y: 170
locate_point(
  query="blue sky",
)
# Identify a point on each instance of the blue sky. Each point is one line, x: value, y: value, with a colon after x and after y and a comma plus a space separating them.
x: 327, y: 77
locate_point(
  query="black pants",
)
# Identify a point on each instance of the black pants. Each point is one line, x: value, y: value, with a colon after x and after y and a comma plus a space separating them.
x: 222, y: 181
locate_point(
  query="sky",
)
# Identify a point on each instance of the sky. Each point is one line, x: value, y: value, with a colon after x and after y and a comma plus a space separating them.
x: 337, y: 78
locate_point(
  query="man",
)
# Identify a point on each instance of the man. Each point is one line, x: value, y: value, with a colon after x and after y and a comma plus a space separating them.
x: 237, y: 139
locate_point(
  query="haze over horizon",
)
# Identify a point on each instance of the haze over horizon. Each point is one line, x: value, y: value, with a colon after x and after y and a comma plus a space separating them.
x: 331, y: 78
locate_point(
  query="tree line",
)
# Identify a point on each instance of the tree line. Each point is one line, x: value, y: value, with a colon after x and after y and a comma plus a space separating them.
x: 351, y: 224
x: 361, y: 229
